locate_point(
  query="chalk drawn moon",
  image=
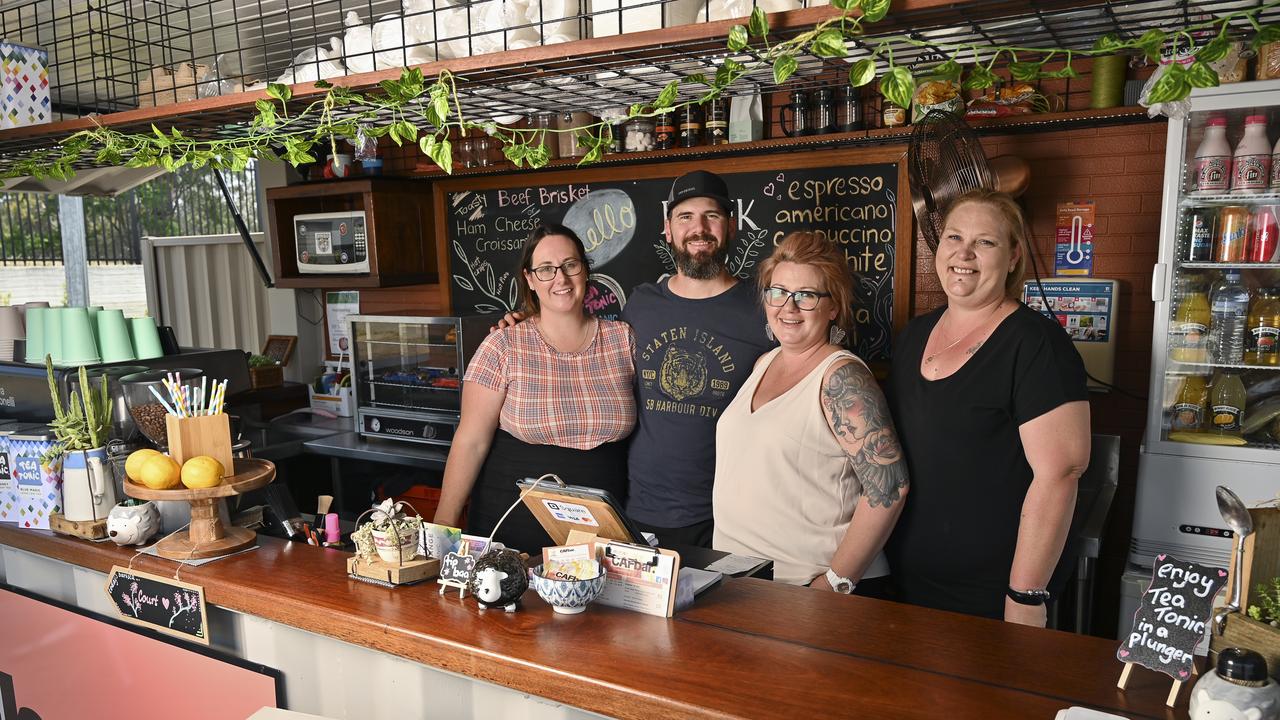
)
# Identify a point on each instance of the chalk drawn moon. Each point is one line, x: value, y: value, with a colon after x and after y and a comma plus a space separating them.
x: 606, y: 222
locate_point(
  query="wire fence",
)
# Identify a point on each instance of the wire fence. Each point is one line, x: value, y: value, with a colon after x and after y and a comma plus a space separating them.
x: 185, y: 202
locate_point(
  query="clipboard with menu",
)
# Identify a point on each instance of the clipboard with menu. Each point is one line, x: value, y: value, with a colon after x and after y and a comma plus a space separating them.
x: 639, y: 577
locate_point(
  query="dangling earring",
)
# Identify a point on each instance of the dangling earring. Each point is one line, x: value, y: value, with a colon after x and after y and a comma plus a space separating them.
x: 836, y: 335
x: 768, y: 332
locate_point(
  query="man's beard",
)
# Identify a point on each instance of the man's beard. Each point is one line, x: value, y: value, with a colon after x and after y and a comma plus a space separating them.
x: 703, y: 266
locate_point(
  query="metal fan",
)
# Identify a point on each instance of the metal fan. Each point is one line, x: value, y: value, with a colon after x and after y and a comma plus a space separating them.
x: 946, y: 160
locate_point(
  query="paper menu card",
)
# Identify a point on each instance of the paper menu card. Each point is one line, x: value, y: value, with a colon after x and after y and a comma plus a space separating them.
x: 639, y: 578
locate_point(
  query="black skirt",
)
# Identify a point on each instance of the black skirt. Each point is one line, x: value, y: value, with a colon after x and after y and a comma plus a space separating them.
x: 509, y: 460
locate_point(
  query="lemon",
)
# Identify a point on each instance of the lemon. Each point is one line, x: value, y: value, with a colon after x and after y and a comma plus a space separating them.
x: 133, y: 466
x: 160, y: 472
x: 201, y: 471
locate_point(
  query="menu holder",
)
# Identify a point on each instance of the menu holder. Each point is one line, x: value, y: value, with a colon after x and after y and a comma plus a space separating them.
x: 562, y: 509
x: 1176, y: 611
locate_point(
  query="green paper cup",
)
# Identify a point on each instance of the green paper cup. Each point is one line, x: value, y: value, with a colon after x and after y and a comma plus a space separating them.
x: 78, y: 345
x: 113, y: 337
x: 35, y: 334
x: 53, y: 335
x: 93, y: 324
x: 146, y: 338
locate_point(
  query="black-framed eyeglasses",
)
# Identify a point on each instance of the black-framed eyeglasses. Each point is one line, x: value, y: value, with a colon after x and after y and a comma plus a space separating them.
x: 804, y: 299
x: 547, y: 273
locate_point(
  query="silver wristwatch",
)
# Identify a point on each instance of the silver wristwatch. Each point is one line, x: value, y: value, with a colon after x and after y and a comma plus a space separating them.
x: 842, y: 585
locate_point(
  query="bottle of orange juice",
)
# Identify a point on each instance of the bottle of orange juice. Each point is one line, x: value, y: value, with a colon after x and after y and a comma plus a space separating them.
x: 1189, y: 332
x: 1191, y: 408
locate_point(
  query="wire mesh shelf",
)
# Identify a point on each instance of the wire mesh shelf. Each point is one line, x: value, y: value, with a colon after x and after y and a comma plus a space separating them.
x: 514, y: 57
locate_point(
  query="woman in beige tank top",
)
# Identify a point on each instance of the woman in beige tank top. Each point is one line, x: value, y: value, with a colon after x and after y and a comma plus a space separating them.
x: 808, y: 469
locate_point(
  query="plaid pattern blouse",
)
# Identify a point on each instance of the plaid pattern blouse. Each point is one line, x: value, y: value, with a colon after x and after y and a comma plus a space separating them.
x: 573, y: 400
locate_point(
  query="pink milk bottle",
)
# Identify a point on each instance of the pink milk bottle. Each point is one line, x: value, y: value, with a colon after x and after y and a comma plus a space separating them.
x: 1251, y: 165
x: 1213, y: 157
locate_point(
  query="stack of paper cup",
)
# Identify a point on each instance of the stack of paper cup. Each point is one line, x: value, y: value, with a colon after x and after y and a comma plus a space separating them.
x: 78, y: 344
x: 113, y: 337
x: 146, y: 338
x: 10, y: 330
x: 53, y: 335
x: 35, y: 334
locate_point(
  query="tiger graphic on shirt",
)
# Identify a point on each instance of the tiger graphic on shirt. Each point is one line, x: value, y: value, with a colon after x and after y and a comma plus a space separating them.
x: 683, y: 373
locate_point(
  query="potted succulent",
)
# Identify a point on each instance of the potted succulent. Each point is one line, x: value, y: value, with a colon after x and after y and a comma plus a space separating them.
x: 80, y: 427
x: 391, y: 534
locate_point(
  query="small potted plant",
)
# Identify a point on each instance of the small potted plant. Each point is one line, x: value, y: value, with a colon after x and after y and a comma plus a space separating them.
x: 391, y: 534
x: 80, y: 427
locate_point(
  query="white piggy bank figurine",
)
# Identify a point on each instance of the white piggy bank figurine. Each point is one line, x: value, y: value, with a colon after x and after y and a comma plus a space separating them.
x: 133, y: 524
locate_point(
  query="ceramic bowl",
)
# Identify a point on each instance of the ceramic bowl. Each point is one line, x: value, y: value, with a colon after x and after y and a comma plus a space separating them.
x: 567, y: 596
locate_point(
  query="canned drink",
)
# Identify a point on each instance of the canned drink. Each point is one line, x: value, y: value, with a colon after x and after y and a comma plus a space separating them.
x: 1262, y: 242
x: 1233, y: 227
x: 1200, y: 226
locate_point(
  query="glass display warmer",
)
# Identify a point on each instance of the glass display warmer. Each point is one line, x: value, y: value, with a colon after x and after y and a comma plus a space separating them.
x: 408, y: 373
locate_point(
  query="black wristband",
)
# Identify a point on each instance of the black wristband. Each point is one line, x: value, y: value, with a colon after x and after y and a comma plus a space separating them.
x: 1028, y: 597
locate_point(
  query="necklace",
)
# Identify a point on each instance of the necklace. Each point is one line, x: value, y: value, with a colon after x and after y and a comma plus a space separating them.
x: 590, y: 333
x: 929, y: 360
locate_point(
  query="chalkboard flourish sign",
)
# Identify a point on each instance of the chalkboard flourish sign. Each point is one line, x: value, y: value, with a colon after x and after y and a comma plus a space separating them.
x: 165, y: 604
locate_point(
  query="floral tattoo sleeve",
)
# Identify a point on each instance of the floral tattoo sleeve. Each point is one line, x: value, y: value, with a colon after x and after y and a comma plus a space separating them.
x: 859, y: 417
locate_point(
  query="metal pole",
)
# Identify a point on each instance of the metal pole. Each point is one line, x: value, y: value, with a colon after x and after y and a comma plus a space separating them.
x: 74, y: 254
x: 244, y: 230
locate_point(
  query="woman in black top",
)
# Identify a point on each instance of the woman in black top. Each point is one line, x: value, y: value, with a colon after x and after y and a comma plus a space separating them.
x: 989, y: 399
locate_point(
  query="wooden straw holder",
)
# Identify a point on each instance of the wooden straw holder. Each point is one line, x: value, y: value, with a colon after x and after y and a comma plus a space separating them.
x: 201, y: 435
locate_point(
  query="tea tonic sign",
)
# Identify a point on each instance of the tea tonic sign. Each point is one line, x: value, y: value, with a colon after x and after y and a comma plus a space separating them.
x: 1175, y: 613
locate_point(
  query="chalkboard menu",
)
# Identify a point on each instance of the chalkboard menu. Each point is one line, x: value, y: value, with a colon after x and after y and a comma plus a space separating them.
x: 1176, y: 610
x: 170, y: 606
x: 858, y: 198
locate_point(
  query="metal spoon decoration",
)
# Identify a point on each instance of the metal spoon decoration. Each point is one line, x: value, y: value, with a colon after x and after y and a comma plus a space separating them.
x: 1237, y: 517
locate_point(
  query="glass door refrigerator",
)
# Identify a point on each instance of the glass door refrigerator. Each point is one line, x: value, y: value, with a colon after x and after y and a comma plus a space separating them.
x: 1214, y: 399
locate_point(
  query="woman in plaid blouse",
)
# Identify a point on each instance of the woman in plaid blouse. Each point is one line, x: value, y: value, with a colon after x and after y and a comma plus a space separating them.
x: 552, y: 394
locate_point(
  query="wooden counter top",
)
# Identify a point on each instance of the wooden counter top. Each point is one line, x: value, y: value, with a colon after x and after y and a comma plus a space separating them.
x: 750, y: 648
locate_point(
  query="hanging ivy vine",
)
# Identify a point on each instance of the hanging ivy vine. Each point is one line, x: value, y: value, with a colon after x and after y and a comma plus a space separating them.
x: 409, y: 110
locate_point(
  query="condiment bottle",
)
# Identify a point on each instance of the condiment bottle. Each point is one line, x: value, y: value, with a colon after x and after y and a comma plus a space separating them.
x: 664, y: 131
x: 690, y: 125
x: 1251, y: 164
x: 1226, y: 404
x: 1190, y: 407
x: 1189, y: 334
x: 1262, y: 334
x: 717, y: 123
x: 1213, y: 158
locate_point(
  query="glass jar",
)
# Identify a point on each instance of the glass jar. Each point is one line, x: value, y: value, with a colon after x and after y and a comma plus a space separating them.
x: 638, y: 135
x: 894, y: 115
x: 717, y: 122
x: 664, y: 131
x: 690, y: 133
x: 544, y: 124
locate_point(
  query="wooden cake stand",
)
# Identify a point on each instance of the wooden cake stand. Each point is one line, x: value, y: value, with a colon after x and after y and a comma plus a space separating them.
x: 207, y: 537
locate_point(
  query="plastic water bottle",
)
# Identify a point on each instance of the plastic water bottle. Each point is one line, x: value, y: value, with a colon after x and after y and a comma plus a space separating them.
x: 1229, y: 305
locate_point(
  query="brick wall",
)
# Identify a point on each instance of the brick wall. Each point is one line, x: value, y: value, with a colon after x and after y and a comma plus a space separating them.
x: 1121, y: 168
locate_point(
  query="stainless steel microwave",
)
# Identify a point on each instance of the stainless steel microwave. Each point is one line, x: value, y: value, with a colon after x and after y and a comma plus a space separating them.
x: 334, y: 242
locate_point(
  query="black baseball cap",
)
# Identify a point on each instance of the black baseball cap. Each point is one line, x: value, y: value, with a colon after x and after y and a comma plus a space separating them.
x: 699, y: 183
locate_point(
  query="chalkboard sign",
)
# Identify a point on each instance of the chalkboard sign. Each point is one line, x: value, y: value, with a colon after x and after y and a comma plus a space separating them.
x: 1176, y: 609
x: 455, y: 571
x: 858, y: 198
x: 161, y: 603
